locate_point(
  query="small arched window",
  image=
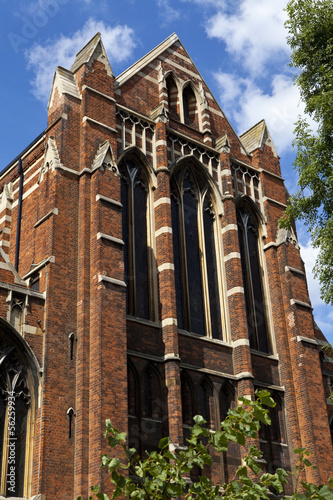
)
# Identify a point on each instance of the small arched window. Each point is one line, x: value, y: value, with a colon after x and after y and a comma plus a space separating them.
x: 273, y: 439
x: 151, y: 410
x: 195, y: 242
x: 190, y: 107
x: 248, y: 232
x: 173, y: 105
x: 136, y: 236
x: 205, y: 402
x: 226, y: 400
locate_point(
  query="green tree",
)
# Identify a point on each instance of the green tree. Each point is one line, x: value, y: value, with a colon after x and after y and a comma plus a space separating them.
x: 310, y: 36
x: 164, y: 474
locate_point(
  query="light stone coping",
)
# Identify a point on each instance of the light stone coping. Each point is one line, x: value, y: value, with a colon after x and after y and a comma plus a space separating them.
x: 270, y: 245
x: 300, y: 303
x: 5, y: 218
x: 272, y: 386
x: 171, y: 357
x: 23, y: 290
x: 54, y: 211
x: 98, y: 92
x: 230, y: 227
x: 232, y: 255
x: 271, y: 173
x: 236, y: 289
x: 29, y: 329
x: 6, y: 230
x: 182, y: 68
x: 147, y: 77
x: 108, y: 200
x: 240, y: 342
x: 300, y: 338
x: 110, y: 238
x: 107, y: 279
x: 161, y: 142
x: 266, y: 198
x: 4, y: 243
x: 294, y: 270
x: 265, y: 355
x: 168, y: 266
x: 242, y: 375
x: 168, y: 322
x: 161, y: 201
x: 39, y: 266
x: 162, y: 230
x: 87, y: 118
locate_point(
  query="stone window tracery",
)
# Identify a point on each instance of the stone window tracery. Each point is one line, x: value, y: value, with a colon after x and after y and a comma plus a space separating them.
x: 135, y: 198
x: 195, y: 238
x: 248, y: 232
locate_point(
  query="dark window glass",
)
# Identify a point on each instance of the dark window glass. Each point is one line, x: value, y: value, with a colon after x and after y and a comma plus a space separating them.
x: 226, y: 401
x: 187, y: 407
x: 172, y: 97
x: 213, y: 284
x: 204, y: 401
x: 189, y: 106
x: 131, y: 392
x: 193, y: 264
x: 252, y: 276
x: 175, y: 204
x: 134, y: 196
x: 195, y: 259
x: 141, y: 251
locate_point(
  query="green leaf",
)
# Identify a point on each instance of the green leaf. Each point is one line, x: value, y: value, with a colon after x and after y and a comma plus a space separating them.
x: 164, y: 443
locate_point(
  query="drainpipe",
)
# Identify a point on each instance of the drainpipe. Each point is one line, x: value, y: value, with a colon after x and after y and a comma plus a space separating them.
x: 19, y: 215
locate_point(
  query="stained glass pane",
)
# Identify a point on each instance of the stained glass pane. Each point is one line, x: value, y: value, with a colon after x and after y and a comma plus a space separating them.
x: 193, y: 264
x: 141, y: 251
x: 213, y: 285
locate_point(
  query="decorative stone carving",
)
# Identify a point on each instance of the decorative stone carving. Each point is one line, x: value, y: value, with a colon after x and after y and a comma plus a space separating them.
x: 12, y: 374
x: 104, y: 159
x: 287, y: 236
x: 51, y: 158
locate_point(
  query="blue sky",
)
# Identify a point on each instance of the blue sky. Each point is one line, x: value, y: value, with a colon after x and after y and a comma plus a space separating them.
x: 239, y: 48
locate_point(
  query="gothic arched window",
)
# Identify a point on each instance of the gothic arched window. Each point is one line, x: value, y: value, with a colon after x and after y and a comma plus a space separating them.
x: 151, y: 410
x: 253, y: 280
x: 172, y: 97
x: 226, y: 400
x: 195, y: 243
x: 136, y: 236
x: 15, y: 409
x: 205, y: 402
x: 273, y: 440
x: 190, y: 106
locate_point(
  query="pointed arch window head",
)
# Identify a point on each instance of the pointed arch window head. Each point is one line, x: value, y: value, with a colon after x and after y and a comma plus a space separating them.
x: 196, y: 249
x: 137, y: 238
x: 190, y: 110
x: 173, y: 105
x: 253, y: 280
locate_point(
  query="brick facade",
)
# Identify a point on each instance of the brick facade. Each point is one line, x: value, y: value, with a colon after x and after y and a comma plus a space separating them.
x: 86, y: 355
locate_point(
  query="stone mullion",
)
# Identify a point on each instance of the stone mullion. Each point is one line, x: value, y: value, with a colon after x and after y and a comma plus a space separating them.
x: 166, y: 285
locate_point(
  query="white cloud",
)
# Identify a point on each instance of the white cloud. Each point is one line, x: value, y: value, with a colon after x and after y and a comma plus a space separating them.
x: 43, y: 59
x: 245, y: 104
x: 254, y: 32
x: 167, y: 13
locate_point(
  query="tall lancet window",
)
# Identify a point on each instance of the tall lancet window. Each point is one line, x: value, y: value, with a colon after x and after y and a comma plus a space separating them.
x: 135, y: 199
x: 195, y: 241
x: 253, y: 280
x: 15, y: 402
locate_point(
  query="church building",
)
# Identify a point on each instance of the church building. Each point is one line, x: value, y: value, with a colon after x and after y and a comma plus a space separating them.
x: 143, y: 278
